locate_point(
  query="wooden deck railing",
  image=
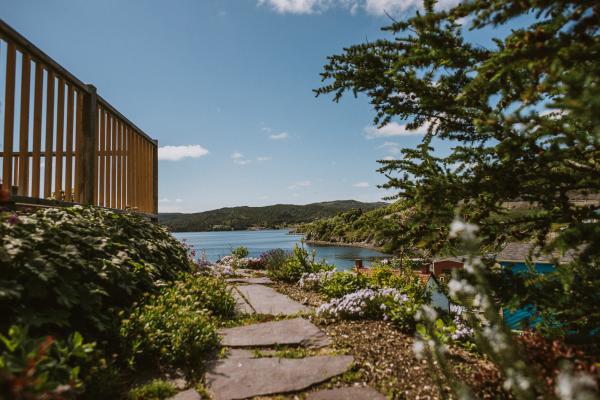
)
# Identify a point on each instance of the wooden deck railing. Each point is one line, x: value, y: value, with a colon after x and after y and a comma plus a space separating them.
x: 62, y: 143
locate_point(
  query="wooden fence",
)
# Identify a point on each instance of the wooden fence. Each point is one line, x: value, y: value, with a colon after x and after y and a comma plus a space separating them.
x: 62, y: 143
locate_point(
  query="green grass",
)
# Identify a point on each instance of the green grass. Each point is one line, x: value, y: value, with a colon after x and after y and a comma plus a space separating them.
x: 157, y: 389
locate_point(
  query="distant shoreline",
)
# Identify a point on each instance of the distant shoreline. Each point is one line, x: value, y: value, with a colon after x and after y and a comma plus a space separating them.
x: 311, y: 242
x: 341, y: 244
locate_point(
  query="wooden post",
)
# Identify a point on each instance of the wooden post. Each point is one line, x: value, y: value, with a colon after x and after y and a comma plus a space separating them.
x: 155, y: 177
x: 358, y: 264
x: 88, y: 147
x: 9, y: 118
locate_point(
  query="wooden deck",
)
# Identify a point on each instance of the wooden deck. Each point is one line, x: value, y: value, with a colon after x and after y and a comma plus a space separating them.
x: 62, y: 143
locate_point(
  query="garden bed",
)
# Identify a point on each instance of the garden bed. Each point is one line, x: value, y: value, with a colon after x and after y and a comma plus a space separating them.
x: 385, y: 359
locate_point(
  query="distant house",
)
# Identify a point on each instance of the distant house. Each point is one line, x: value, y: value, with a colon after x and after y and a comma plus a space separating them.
x: 517, y: 257
x: 442, y: 267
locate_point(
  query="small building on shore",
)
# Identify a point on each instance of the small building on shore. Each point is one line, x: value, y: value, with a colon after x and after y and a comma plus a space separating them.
x: 519, y: 258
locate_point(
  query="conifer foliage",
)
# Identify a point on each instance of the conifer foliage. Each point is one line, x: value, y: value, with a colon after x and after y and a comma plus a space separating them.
x: 523, y: 117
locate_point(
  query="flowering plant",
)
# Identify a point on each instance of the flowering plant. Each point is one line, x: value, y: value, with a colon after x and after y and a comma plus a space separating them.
x: 314, y: 280
x: 342, y: 283
x: 363, y: 304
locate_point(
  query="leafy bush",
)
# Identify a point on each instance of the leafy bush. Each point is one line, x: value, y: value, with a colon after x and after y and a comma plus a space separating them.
x: 405, y: 280
x: 177, y: 326
x: 294, y: 266
x: 208, y: 292
x: 342, y: 283
x: 155, y: 390
x: 274, y: 259
x: 74, y: 268
x: 41, y: 367
x: 240, y: 252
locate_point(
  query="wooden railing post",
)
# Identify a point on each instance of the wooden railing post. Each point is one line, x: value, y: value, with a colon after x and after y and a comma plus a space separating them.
x: 87, y: 175
x: 155, y: 177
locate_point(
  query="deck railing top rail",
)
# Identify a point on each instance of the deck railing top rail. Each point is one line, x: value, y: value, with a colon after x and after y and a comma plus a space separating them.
x: 74, y: 147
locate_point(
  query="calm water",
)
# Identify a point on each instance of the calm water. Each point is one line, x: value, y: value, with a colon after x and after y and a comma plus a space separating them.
x: 219, y: 244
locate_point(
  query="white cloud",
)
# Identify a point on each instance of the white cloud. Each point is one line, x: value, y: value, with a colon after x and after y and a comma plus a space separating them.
x: 361, y: 184
x: 300, y: 184
x: 178, y: 200
x: 391, y: 147
x: 279, y: 136
x: 238, y: 158
x: 389, y: 158
x: 164, y: 200
x: 176, y: 153
x: 373, y: 7
x: 393, y: 129
x: 296, y: 6
x: 263, y: 158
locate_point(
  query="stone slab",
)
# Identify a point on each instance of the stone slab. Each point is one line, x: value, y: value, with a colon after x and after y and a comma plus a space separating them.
x: 262, y: 280
x: 241, y: 305
x: 189, y: 394
x: 243, y: 378
x: 266, y: 300
x: 354, y: 393
x: 290, y: 332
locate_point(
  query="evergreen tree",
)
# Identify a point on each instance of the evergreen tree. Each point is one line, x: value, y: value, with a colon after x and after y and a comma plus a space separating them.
x: 524, y: 118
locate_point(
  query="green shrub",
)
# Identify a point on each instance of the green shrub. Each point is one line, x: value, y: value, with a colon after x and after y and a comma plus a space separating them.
x: 240, y: 252
x: 207, y: 292
x: 405, y: 280
x: 155, y: 390
x: 177, y: 326
x: 402, y: 314
x: 41, y: 367
x: 342, y: 283
x: 274, y: 259
x: 75, y: 268
x: 295, y: 265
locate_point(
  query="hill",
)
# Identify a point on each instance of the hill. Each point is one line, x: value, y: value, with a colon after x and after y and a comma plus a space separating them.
x: 268, y: 217
x: 373, y: 228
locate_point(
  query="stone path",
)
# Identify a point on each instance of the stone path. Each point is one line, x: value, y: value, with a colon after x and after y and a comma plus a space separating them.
x: 245, y: 373
x: 289, y: 332
x: 245, y: 378
x: 261, y: 299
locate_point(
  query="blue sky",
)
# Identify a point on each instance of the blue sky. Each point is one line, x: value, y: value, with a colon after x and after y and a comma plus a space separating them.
x: 227, y: 86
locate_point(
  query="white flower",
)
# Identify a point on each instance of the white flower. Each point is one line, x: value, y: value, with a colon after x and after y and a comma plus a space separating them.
x: 575, y: 387
x: 418, y: 348
x: 463, y: 229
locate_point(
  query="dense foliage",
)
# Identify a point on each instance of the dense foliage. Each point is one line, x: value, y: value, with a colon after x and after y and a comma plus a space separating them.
x: 522, y: 116
x: 65, y: 271
x: 295, y: 265
x: 75, y: 268
x: 32, y: 366
x: 242, y: 218
x: 178, y: 325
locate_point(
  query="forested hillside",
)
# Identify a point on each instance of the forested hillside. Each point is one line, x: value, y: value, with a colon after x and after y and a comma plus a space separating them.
x: 275, y: 216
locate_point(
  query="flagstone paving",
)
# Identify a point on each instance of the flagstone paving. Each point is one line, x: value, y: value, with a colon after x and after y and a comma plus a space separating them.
x: 291, y: 332
x: 244, y: 373
x: 190, y: 394
x: 243, y: 378
x: 266, y: 300
x: 261, y: 280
